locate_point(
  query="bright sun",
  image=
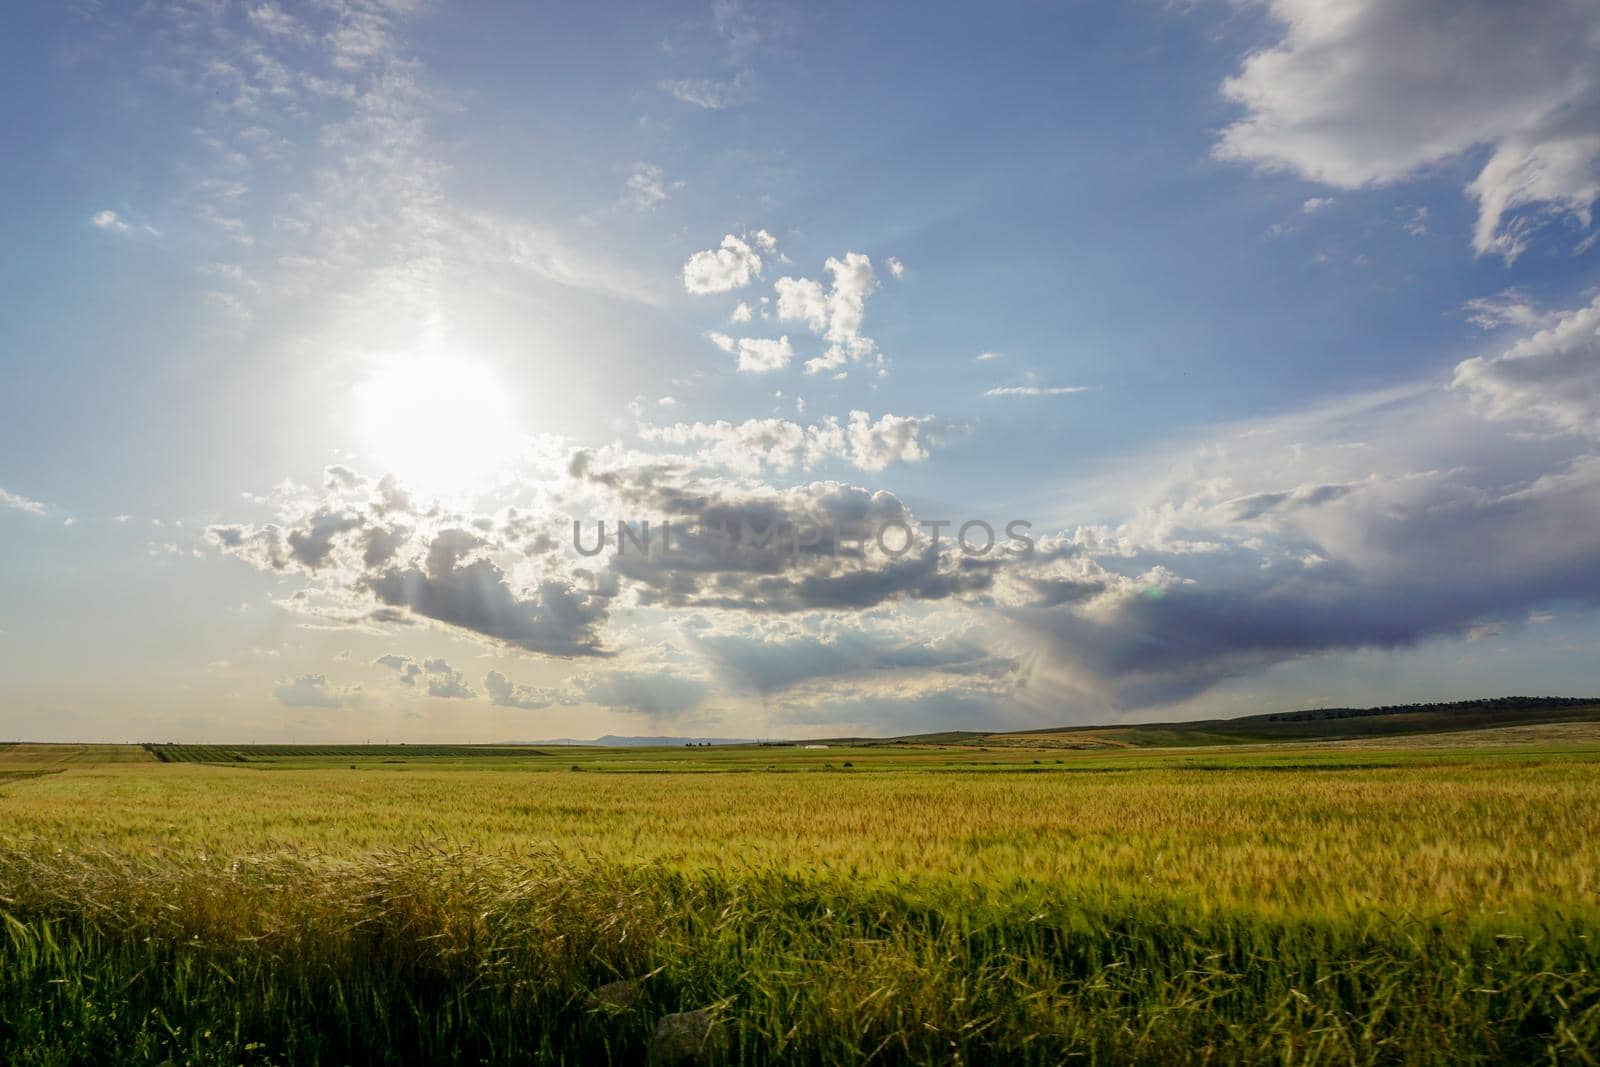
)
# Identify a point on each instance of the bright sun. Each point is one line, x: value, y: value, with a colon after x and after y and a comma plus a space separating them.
x: 437, y: 424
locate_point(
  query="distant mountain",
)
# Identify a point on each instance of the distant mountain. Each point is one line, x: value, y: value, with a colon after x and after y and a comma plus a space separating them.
x: 614, y: 741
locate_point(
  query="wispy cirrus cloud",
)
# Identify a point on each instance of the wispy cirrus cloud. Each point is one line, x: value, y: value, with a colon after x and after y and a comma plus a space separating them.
x: 712, y: 94
x: 17, y: 502
x: 1034, y: 390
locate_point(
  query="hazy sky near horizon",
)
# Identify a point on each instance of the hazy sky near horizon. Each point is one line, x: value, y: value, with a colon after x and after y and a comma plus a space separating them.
x: 1277, y: 321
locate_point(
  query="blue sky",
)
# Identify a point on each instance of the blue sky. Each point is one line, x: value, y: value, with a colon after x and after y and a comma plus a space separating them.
x: 323, y: 322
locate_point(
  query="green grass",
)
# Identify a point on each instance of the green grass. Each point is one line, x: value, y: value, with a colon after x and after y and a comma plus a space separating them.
x: 312, y: 753
x: 923, y: 905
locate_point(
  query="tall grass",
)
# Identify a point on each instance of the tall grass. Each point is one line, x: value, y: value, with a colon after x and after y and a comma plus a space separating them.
x: 432, y: 957
x: 1427, y: 914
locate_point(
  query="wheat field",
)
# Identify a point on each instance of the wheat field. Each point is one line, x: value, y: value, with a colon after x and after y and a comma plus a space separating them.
x: 921, y: 905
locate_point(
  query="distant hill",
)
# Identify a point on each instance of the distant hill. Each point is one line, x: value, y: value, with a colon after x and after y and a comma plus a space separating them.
x: 614, y: 741
x: 1312, y: 724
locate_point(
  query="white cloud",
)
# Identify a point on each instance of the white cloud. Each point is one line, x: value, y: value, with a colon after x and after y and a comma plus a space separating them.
x: 313, y: 691
x: 712, y: 94
x: 273, y: 20
x: 22, y: 503
x: 1316, y: 203
x: 892, y: 439
x: 111, y: 221
x: 867, y: 444
x: 658, y: 692
x: 1513, y: 307
x: 741, y: 313
x: 731, y: 266
x: 648, y: 186
x: 986, y: 357
x: 441, y: 679
x: 1369, y: 92
x: 1035, y: 390
x: 897, y: 269
x: 366, y: 557
x: 507, y: 694
x: 803, y: 299
x: 1552, y: 377
x: 835, y: 314
x: 757, y: 355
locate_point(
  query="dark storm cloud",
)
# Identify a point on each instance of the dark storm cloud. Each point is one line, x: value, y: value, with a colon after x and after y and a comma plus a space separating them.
x: 1384, y: 567
x: 771, y: 661
x: 553, y: 616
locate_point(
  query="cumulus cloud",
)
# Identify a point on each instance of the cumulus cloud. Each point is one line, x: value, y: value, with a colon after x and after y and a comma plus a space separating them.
x: 1551, y: 378
x: 732, y: 265
x: 758, y: 355
x: 452, y: 585
x: 1368, y: 92
x: 1420, y: 575
x: 1210, y: 583
x: 439, y: 678
x: 1366, y: 523
x: 867, y: 444
x: 507, y: 694
x: 110, y: 221
x: 834, y: 313
x: 314, y: 691
x: 755, y: 548
x: 375, y: 559
x: 408, y: 669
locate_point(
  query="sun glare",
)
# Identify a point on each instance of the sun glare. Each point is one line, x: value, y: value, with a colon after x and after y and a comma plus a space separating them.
x: 438, y: 424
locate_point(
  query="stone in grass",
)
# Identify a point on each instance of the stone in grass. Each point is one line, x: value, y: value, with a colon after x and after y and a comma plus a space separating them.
x: 688, y: 1037
x: 617, y: 997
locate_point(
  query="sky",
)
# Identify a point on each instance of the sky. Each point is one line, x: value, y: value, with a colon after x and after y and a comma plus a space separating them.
x: 1263, y: 335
